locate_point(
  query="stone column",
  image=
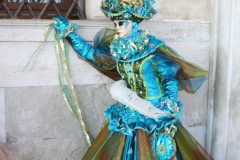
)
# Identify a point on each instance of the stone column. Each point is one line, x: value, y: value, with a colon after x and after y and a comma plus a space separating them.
x: 2, y: 117
x: 226, y: 99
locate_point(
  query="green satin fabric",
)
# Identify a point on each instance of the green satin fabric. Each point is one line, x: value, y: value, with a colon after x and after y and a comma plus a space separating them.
x: 189, y: 76
x: 109, y: 146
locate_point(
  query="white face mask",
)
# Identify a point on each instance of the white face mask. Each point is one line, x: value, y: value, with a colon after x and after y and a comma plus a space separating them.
x: 123, y: 27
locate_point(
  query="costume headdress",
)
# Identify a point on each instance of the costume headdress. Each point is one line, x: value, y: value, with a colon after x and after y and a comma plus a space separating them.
x: 135, y: 10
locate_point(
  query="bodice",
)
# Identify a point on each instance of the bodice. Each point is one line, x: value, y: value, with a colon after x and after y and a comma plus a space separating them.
x: 151, y: 77
x: 142, y: 77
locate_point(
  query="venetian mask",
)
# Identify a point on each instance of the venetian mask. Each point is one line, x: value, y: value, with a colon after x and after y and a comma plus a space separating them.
x: 128, y: 40
x: 123, y: 27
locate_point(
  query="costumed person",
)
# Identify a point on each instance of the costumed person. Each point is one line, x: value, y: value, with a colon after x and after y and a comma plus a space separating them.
x: 144, y: 122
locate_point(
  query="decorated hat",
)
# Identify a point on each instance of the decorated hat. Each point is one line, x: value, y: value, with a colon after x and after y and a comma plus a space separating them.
x: 135, y: 10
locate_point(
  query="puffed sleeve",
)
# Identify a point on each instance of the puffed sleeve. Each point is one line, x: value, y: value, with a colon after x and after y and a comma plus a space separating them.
x: 166, y: 70
x: 100, y: 57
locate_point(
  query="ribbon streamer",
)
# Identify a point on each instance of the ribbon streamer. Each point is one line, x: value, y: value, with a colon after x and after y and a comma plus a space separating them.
x: 64, y: 77
x: 46, y: 35
x: 66, y: 84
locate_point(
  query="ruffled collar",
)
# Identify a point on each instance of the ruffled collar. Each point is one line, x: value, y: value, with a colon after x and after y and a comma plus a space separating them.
x: 134, y: 47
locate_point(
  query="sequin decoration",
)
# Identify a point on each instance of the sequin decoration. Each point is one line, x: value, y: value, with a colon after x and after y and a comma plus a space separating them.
x: 129, y: 46
x: 135, y: 10
x: 163, y: 146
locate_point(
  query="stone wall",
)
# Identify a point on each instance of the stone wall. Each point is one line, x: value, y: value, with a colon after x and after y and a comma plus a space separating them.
x: 226, y: 52
x: 37, y: 124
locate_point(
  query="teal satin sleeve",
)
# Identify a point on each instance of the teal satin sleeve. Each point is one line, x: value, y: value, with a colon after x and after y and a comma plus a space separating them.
x: 166, y: 70
x: 83, y: 49
x: 98, y: 55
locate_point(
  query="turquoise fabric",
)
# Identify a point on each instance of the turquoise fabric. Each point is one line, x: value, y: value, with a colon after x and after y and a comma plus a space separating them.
x: 151, y: 80
x: 164, y: 146
x: 157, y: 73
x: 83, y: 49
x: 134, y: 10
x: 122, y: 119
x: 153, y: 44
x: 168, y: 70
x: 144, y: 44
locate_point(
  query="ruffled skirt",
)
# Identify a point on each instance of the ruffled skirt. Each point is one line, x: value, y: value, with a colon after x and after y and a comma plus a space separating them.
x: 132, y: 140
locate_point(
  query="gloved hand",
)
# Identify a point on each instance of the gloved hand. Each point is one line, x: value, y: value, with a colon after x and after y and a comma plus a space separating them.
x: 124, y: 95
x: 62, y: 27
x: 169, y: 104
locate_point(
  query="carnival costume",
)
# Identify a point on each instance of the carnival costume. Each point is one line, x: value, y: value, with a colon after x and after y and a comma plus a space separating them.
x: 153, y: 71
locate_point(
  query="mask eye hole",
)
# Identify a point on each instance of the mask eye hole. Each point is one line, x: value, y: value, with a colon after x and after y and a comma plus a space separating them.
x: 120, y: 23
x: 115, y: 24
